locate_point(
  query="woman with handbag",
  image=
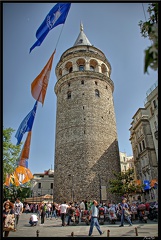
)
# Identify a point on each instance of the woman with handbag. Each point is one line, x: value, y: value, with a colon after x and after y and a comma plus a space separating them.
x: 124, y: 213
x: 8, y: 218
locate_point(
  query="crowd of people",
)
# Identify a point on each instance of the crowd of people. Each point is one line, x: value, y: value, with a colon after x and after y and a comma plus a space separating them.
x: 68, y: 212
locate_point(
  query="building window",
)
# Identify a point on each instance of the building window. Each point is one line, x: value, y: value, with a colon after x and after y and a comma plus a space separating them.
x: 124, y: 168
x: 51, y: 185
x: 97, y: 93
x: 81, y: 68
x: 124, y: 159
x: 143, y: 144
x: 96, y: 82
x: 69, y: 84
x: 151, y: 110
x: 82, y: 82
x: 70, y: 69
x: 92, y: 68
x: 154, y: 103
x: 68, y: 95
x: 140, y: 147
x: 155, y: 126
x: 39, y: 185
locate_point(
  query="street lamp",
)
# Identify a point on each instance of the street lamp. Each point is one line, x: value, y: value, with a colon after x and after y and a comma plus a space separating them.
x: 72, y: 190
x: 100, y: 187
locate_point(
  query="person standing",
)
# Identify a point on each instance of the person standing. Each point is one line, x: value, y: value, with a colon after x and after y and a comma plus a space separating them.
x: 42, y: 214
x: 8, y: 210
x: 63, y: 211
x: 18, y: 209
x: 124, y: 206
x: 94, y: 219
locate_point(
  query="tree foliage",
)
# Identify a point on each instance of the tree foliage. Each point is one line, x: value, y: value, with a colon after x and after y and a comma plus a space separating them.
x: 10, y: 153
x: 124, y: 183
x: 150, y: 29
x: 10, y: 156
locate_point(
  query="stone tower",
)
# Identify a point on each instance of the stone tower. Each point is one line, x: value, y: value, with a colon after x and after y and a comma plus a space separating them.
x: 86, y: 147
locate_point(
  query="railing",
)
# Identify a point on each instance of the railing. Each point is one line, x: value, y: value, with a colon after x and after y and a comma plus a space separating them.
x: 150, y: 91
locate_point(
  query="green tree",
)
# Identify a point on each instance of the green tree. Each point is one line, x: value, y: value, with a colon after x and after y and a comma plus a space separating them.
x: 124, y: 183
x: 11, y: 153
x: 150, y: 29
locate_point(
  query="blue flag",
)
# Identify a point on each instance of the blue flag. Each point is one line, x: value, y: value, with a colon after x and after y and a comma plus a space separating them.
x: 147, y: 185
x: 26, y: 124
x: 56, y: 16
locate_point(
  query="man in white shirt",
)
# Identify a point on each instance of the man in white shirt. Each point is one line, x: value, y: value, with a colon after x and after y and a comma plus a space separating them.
x: 82, y: 207
x: 63, y: 211
x: 18, y: 208
x: 33, y: 220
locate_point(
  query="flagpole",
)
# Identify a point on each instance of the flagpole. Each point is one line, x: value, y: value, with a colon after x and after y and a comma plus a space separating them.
x: 59, y: 36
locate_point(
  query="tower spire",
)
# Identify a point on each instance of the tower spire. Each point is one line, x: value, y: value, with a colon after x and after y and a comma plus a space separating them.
x: 81, y: 26
x: 82, y: 39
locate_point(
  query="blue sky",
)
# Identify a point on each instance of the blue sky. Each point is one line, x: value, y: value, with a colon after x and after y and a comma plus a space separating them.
x: 111, y: 27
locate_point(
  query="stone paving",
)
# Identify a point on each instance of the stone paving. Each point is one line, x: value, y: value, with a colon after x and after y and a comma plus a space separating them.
x: 52, y: 228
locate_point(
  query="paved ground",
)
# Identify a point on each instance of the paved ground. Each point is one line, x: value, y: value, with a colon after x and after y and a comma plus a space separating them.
x: 53, y: 228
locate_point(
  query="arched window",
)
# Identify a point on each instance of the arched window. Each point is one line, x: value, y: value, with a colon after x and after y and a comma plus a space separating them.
x: 60, y: 72
x: 92, y: 68
x: 81, y: 67
x: 81, y: 64
x: 97, y: 93
x: 68, y: 95
x: 69, y: 67
x: 70, y: 70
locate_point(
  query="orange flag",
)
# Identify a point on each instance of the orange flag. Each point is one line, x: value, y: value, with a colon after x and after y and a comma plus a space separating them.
x: 153, y: 181
x: 138, y: 182
x: 23, y: 174
x: 25, y: 150
x: 40, y: 83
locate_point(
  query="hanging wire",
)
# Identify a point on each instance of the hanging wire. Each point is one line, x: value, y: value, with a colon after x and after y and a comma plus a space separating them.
x: 59, y: 36
x: 144, y: 12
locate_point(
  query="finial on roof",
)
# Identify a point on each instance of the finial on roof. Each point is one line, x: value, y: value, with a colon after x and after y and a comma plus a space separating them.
x: 81, y: 26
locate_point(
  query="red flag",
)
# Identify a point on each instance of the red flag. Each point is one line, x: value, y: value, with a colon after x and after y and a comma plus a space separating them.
x: 40, y: 83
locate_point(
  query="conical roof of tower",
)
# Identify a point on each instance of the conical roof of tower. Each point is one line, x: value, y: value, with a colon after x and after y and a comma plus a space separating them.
x: 82, y: 39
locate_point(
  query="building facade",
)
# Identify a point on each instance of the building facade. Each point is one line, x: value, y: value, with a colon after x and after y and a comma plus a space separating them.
x: 151, y: 104
x: 144, y: 153
x: 86, y: 147
x: 126, y: 162
x: 42, y: 183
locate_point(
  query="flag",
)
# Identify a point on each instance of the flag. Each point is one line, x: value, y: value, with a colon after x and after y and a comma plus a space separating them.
x: 146, y: 185
x: 56, y: 16
x: 153, y: 182
x: 23, y: 161
x: 138, y: 182
x: 26, y: 124
x: 40, y: 83
x: 23, y: 174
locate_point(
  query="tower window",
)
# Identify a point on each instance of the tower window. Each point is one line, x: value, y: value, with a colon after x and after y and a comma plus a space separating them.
x: 97, y: 93
x: 68, y: 95
x: 82, y: 82
x: 69, y: 84
x: 155, y: 105
x: 39, y: 185
x: 83, y: 107
x: 95, y: 83
x: 81, y: 68
x: 70, y: 69
x: 91, y: 68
